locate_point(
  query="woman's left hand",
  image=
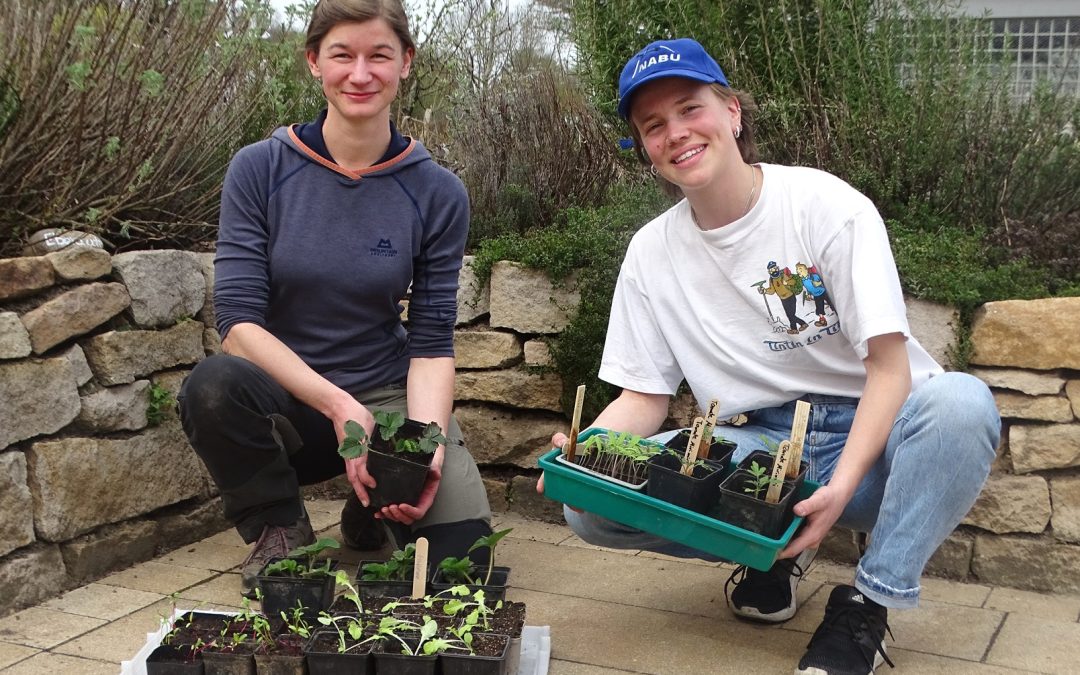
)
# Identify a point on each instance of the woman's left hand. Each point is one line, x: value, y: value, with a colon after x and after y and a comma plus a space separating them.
x: 821, y: 510
x: 407, y: 514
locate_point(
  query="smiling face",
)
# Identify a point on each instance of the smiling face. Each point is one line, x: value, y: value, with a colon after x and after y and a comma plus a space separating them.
x: 361, y: 65
x: 687, y: 130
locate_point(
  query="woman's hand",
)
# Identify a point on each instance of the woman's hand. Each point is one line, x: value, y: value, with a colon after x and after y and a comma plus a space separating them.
x: 821, y: 510
x: 355, y: 469
x: 407, y: 514
x: 558, y: 440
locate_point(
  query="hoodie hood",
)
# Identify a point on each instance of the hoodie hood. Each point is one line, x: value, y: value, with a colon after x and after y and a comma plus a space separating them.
x: 413, y: 154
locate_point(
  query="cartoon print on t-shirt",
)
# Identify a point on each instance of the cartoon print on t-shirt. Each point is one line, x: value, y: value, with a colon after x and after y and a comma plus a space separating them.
x: 814, y: 287
x: 787, y: 287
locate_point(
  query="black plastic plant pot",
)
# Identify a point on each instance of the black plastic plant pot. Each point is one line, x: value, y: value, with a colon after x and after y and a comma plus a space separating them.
x: 369, y: 590
x: 742, y: 509
x: 173, y: 660
x: 284, y: 594
x: 228, y: 663
x: 766, y: 460
x: 323, y: 657
x: 697, y: 492
x: 399, y: 477
x: 494, y: 590
x: 390, y: 661
x: 280, y: 664
x: 454, y: 663
x: 720, y: 450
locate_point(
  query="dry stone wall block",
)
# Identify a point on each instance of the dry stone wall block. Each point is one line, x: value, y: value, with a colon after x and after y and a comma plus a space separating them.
x: 471, y: 305
x: 1012, y: 504
x: 538, y: 353
x: 934, y: 326
x: 525, y: 500
x: 206, y: 266
x: 118, y: 357
x: 119, y: 408
x: 30, y: 576
x: 77, y: 263
x: 486, y: 349
x: 1041, y: 408
x: 14, y: 340
x: 182, y: 526
x: 1048, y: 446
x: 1065, y: 493
x: 515, y: 387
x: 525, y: 300
x: 1025, y: 381
x: 16, y: 505
x: 499, y: 436
x: 1039, y: 334
x: 91, y: 556
x: 1033, y: 563
x: 20, y: 277
x: 165, y: 285
x: 953, y: 558
x: 79, y: 484
x: 74, y: 313
x: 79, y: 367
x: 37, y: 397
x: 1072, y: 390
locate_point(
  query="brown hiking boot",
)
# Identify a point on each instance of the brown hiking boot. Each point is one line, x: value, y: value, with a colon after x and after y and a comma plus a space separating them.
x: 275, y: 542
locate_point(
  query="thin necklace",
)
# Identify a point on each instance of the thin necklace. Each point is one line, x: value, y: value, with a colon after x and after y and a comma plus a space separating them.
x: 749, y: 197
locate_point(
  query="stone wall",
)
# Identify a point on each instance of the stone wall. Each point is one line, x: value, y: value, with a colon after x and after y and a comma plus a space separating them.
x: 84, y: 336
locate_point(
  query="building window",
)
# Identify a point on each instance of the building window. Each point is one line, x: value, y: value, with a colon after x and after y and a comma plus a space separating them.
x: 1039, y: 48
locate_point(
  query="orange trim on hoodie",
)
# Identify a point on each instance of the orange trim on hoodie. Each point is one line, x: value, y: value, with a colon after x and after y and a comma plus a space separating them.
x: 348, y: 173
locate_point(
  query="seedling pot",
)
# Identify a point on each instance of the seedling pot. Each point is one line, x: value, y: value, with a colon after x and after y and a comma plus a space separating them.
x: 494, y: 590
x: 399, y: 477
x: 696, y: 492
x: 766, y: 460
x: 281, y: 594
x: 369, y: 590
x: 323, y: 657
x: 742, y: 509
x: 390, y: 661
x: 173, y: 660
x: 228, y: 663
x: 475, y: 664
x: 280, y: 664
x: 719, y: 450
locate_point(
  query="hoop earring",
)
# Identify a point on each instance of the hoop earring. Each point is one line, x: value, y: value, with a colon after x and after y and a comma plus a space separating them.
x: 738, y: 131
x: 652, y: 169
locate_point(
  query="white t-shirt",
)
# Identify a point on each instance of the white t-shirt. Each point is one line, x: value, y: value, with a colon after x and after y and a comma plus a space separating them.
x: 706, y: 307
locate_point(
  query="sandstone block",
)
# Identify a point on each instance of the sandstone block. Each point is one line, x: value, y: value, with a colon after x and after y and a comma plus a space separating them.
x: 211, y: 342
x: 182, y: 525
x: 934, y: 326
x: 486, y: 349
x: 1072, y: 390
x: 526, y: 301
x: 79, y: 484
x: 538, y: 353
x: 839, y: 546
x: 79, y: 367
x: 1041, y: 408
x: 119, y: 357
x: 164, y: 285
x: 171, y: 380
x: 1025, y: 381
x: 497, y: 436
x: 496, y: 494
x: 1012, y: 504
x: 16, y: 506
x: 514, y: 387
x: 119, y: 408
x: 1065, y: 492
x: 525, y: 500
x: 30, y: 576
x: 74, y: 313
x: 1037, y: 564
x: 1035, y: 334
x: 37, y: 397
x: 20, y: 277
x: 76, y: 263
x: 206, y: 266
x: 14, y: 340
x: 111, y: 547
x: 952, y: 560
x: 473, y: 300
x: 1050, y: 446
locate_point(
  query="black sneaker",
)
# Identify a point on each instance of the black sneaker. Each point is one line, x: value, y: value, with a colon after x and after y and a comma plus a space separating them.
x: 275, y: 542
x: 851, y: 638
x: 768, y: 596
x: 359, y: 528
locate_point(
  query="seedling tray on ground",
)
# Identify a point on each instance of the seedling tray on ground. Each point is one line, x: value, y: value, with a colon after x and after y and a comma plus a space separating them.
x: 635, y: 509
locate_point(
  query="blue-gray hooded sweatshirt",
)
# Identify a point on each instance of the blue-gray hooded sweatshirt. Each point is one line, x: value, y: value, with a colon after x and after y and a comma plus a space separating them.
x: 320, y: 256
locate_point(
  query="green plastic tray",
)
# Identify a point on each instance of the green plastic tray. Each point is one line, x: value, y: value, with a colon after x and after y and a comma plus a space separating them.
x: 635, y: 509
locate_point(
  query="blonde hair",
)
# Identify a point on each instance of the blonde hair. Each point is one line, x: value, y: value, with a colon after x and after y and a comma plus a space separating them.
x: 329, y: 13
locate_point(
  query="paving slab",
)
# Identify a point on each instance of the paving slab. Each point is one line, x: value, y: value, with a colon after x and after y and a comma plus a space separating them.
x: 928, y: 664
x: 229, y: 537
x: 561, y: 667
x: 1037, y: 644
x: 102, y: 601
x: 223, y: 589
x: 12, y: 653
x: 578, y: 542
x: 206, y: 556
x: 45, y: 628
x: 47, y: 663
x: 954, y: 592
x: 531, y: 530
x: 1049, y: 606
x: 157, y: 577
x: 120, y: 639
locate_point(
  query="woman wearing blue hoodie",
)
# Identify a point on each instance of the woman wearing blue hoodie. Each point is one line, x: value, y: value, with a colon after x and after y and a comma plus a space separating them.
x: 324, y: 228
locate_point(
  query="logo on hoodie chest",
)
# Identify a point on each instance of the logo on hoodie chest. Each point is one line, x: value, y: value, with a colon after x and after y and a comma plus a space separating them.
x: 384, y: 249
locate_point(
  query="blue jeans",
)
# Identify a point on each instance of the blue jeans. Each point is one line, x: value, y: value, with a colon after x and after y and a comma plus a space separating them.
x: 933, y: 467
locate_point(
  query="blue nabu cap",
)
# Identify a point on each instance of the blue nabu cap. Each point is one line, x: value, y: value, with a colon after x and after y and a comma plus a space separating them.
x: 667, y: 58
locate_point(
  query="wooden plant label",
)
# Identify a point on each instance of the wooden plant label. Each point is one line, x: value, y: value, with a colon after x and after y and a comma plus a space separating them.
x: 419, y: 572
x: 798, y: 433
x: 575, y: 424
x: 691, y: 454
x: 710, y: 424
x: 776, y: 483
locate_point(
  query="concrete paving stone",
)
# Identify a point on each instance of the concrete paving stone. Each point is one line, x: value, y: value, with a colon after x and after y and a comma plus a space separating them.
x: 223, y: 589
x: 934, y: 627
x: 322, y: 520
x: 51, y: 664
x: 121, y: 639
x: 12, y: 653
x: 826, y: 572
x: 531, y: 530
x: 671, y: 558
x: 229, y: 537
x: 561, y: 667
x: 325, y: 506
x: 101, y: 601
x: 206, y: 556
x: 157, y: 577
x: 1037, y: 644
x: 953, y: 592
x: 578, y: 542
x: 44, y: 628
x: 1049, y: 606
x: 928, y: 664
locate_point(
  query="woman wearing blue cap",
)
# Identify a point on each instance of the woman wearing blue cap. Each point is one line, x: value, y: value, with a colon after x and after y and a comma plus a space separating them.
x: 713, y: 292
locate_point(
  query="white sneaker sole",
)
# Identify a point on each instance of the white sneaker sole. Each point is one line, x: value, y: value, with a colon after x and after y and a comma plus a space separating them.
x: 878, y: 660
x: 803, y: 560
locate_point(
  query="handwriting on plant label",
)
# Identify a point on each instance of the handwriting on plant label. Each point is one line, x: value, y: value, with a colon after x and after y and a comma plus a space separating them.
x: 776, y: 484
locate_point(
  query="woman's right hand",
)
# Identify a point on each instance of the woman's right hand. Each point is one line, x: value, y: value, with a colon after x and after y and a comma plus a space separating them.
x: 356, y: 469
x: 558, y: 440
